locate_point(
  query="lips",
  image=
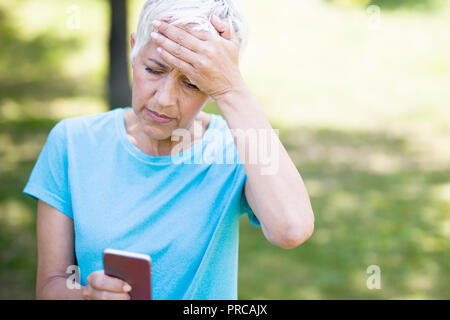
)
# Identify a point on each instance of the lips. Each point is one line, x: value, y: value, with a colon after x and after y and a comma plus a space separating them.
x: 157, y: 118
x: 161, y: 115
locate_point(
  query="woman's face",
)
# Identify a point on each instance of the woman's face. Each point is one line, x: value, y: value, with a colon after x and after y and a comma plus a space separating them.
x: 158, y: 87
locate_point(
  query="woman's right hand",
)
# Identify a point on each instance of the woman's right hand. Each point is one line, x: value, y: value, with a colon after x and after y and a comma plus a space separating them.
x: 102, y: 287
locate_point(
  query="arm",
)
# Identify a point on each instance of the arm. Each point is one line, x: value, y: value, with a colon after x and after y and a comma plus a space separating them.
x: 55, y: 241
x: 56, y: 252
x: 279, y: 199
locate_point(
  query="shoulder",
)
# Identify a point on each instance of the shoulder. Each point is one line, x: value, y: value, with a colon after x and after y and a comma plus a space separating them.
x: 205, y: 119
x: 89, y: 124
x: 96, y: 119
x: 221, y: 141
x: 216, y: 126
x: 215, y: 120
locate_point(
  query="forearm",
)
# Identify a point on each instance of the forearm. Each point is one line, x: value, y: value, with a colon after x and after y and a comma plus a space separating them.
x: 275, y: 189
x: 56, y: 288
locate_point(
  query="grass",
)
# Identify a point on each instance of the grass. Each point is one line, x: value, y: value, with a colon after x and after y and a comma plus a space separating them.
x: 362, y: 110
x: 365, y: 215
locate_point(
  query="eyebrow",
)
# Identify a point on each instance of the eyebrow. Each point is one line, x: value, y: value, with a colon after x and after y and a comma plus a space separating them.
x: 159, y: 63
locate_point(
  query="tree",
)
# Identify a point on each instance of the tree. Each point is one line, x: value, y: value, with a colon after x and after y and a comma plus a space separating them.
x: 119, y: 91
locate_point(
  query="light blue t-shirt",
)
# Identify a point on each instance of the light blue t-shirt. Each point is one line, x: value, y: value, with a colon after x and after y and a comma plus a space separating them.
x: 183, y: 211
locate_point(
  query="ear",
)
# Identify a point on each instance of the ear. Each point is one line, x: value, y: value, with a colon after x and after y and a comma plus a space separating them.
x: 133, y: 39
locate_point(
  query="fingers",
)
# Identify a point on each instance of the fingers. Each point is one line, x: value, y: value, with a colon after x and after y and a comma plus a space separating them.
x: 103, y: 287
x: 223, y: 27
x: 201, y: 34
x: 176, y: 62
x: 90, y: 293
x: 218, y: 24
x: 100, y: 281
x: 173, y: 48
x: 181, y: 36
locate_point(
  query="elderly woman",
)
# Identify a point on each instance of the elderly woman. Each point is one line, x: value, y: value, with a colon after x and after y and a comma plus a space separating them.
x: 135, y: 178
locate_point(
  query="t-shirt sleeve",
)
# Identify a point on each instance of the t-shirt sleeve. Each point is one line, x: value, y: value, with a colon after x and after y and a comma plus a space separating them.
x: 49, y: 178
x: 246, y: 209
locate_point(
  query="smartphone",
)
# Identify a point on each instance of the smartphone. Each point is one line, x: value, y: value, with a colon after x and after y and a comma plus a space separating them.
x: 133, y: 268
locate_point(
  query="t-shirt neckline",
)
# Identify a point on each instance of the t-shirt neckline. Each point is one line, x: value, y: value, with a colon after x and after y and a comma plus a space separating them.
x: 183, y: 156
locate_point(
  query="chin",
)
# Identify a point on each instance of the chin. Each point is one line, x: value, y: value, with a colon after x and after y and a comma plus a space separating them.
x: 155, y: 132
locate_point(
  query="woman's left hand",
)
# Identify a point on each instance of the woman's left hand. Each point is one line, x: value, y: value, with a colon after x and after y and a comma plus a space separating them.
x: 209, y: 61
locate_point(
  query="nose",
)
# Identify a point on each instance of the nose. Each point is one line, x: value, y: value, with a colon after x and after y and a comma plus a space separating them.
x: 167, y: 92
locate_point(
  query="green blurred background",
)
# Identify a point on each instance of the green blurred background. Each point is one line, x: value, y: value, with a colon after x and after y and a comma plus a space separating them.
x: 360, y: 91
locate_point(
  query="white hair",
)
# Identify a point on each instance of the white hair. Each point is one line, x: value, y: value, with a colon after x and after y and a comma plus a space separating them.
x: 182, y: 12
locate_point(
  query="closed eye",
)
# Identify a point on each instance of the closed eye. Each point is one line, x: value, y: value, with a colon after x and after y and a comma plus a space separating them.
x: 152, y: 71
x: 190, y: 85
x: 193, y: 86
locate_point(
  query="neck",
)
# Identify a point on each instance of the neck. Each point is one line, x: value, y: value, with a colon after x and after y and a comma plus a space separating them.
x: 162, y: 147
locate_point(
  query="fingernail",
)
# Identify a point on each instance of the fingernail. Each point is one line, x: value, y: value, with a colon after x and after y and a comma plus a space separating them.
x: 154, y: 35
x: 156, y: 23
x: 126, y: 288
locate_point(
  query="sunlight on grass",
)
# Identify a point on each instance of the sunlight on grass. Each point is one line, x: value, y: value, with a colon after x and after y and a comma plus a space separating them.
x: 15, y: 215
x: 319, y: 57
x: 445, y: 228
x: 65, y: 108
x: 57, y: 109
x: 442, y: 192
